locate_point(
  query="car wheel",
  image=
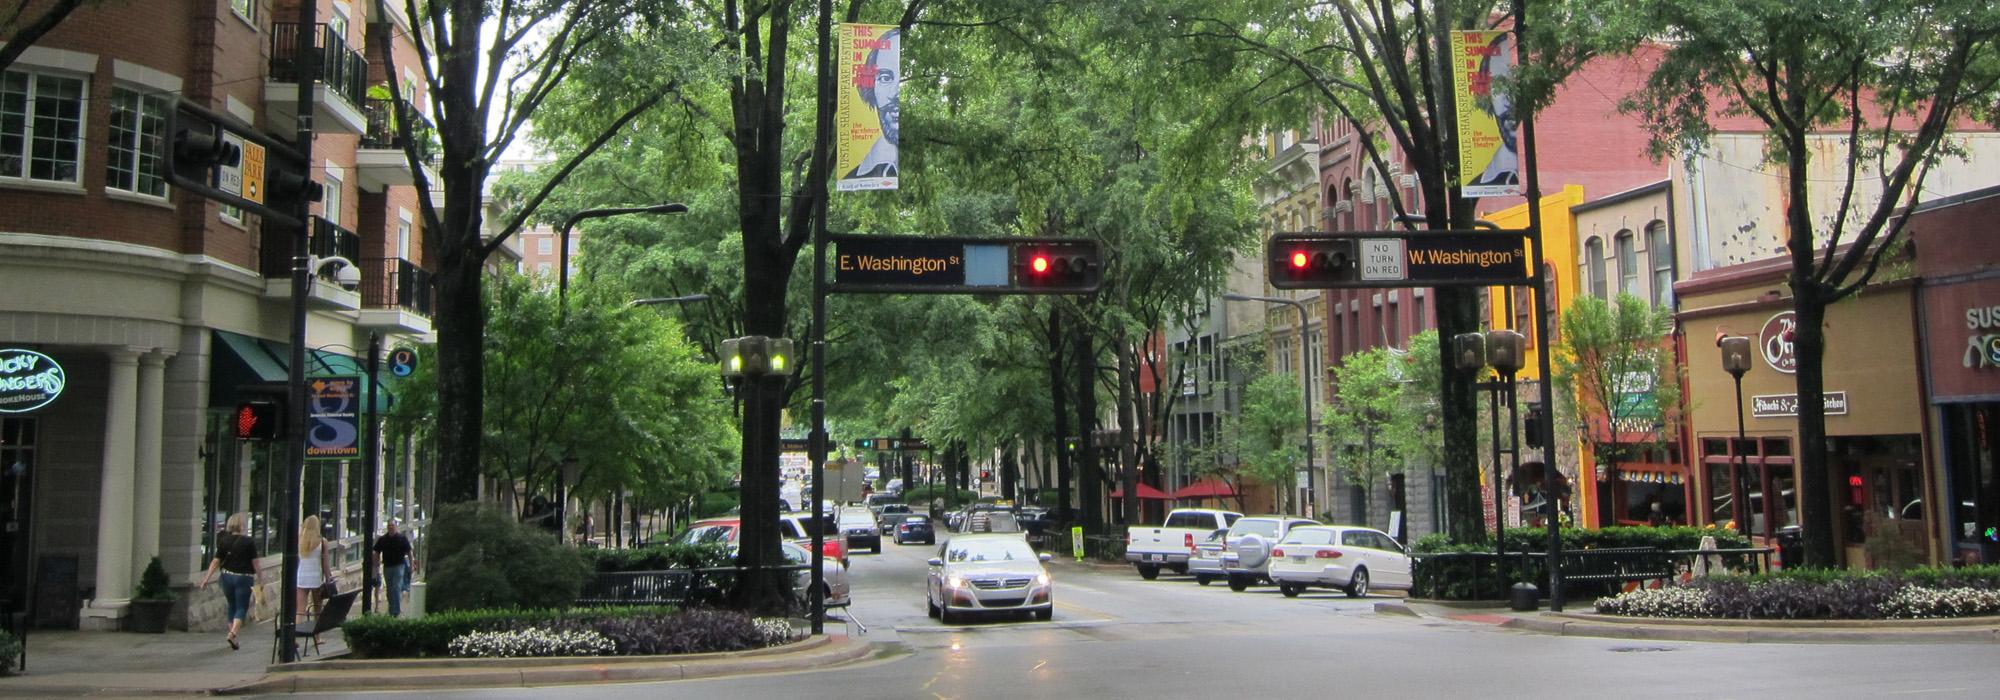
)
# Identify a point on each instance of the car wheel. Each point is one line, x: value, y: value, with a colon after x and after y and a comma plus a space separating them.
x: 1204, y: 579
x: 1045, y: 614
x: 945, y: 616
x: 1290, y: 590
x: 930, y: 608
x: 1358, y: 586
x: 1148, y: 571
x: 1239, y: 583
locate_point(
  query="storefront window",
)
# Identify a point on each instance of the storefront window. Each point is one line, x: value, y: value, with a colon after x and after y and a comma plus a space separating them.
x: 1767, y: 465
x: 1883, y: 487
x: 1972, y: 460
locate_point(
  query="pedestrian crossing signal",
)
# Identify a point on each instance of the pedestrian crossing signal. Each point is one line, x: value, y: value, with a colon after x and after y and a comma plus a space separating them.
x: 259, y: 420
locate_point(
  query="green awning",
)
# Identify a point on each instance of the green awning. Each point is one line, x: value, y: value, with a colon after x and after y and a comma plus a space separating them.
x: 243, y: 363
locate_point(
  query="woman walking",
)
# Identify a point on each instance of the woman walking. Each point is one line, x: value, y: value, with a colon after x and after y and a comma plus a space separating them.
x: 313, y: 568
x: 236, y: 558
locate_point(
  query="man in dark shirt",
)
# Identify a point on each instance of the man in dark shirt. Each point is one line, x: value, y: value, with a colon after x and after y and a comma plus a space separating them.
x: 396, y: 564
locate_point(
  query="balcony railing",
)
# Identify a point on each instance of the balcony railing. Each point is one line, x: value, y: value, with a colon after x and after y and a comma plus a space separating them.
x: 395, y: 283
x: 327, y: 240
x: 340, y: 67
x: 381, y: 132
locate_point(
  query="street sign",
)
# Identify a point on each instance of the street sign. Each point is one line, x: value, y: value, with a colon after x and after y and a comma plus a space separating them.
x: 886, y: 264
x: 333, y: 422
x: 251, y: 171
x: 908, y: 444
x: 1409, y: 259
x: 402, y: 362
x: 794, y: 444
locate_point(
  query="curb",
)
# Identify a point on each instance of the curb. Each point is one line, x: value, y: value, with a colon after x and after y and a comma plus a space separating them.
x: 419, y: 674
x: 1683, y: 631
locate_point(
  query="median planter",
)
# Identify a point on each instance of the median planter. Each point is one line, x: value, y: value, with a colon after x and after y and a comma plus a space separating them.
x: 1820, y: 595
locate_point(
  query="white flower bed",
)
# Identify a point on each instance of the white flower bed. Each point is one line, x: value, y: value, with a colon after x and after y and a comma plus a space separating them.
x: 1658, y: 602
x: 775, y: 630
x: 532, y: 642
x: 1919, y: 602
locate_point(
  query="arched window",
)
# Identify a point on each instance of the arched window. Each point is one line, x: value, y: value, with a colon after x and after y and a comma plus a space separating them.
x: 1593, y: 266
x: 1628, y: 262
x: 1661, y: 254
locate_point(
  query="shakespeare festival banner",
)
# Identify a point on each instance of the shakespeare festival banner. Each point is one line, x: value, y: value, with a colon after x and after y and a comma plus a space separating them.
x: 866, y: 122
x: 1489, y: 161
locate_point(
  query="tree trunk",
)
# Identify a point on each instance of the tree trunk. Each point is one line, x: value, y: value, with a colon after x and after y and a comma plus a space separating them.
x: 1128, y: 464
x: 1088, y: 478
x: 1010, y: 467
x: 461, y: 324
x: 1059, y: 398
x: 1814, y: 491
x: 1458, y: 312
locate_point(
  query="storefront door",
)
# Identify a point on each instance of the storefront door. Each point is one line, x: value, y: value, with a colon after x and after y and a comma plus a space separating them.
x: 17, y: 495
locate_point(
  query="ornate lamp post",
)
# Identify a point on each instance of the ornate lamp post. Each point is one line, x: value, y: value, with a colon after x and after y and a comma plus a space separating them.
x: 1736, y: 361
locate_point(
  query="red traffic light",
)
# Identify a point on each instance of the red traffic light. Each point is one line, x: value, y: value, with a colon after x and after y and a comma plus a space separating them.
x: 1040, y: 264
x: 1310, y: 261
x: 1299, y: 259
x: 1057, y: 266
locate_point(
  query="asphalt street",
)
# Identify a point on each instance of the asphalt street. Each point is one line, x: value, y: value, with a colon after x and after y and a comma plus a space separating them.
x: 1117, y: 636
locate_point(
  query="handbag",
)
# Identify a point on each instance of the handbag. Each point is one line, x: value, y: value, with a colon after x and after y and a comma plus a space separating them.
x: 328, y: 588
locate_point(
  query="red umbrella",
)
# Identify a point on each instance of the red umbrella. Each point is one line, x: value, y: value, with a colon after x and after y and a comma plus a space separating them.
x: 1145, y: 491
x: 1210, y: 487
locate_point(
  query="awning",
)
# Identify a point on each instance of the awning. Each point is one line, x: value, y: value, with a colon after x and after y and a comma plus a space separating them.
x: 1145, y: 492
x: 1209, y: 487
x: 243, y: 362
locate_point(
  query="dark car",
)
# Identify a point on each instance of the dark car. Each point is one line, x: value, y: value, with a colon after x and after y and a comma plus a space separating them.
x: 915, y: 528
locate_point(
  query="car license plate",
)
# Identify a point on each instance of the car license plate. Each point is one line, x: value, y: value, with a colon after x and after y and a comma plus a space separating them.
x: 1300, y: 558
x: 1156, y: 557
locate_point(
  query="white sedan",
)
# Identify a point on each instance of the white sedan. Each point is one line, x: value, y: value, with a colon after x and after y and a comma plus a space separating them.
x: 1352, y: 559
x: 997, y: 572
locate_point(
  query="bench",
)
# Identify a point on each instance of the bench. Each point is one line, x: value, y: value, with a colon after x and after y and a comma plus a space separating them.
x: 1612, y: 565
x: 665, y: 587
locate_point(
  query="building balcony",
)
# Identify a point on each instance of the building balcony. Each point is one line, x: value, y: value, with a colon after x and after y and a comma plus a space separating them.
x: 396, y: 296
x: 380, y: 161
x: 339, y: 85
x: 327, y: 240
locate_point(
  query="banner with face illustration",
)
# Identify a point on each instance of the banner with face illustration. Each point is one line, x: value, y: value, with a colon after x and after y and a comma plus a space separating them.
x: 867, y: 117
x: 1489, y: 162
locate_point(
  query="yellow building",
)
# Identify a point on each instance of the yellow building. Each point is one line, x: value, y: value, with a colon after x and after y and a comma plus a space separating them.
x: 1558, y: 261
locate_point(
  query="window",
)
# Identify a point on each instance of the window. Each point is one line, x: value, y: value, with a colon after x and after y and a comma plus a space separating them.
x: 41, y: 127
x: 1418, y: 319
x: 403, y: 237
x: 330, y: 204
x: 1593, y: 266
x: 1392, y: 324
x: 247, y: 9
x: 1662, y: 256
x: 138, y: 122
x: 1524, y: 313
x: 545, y: 246
x: 1628, y: 263
x: 339, y: 22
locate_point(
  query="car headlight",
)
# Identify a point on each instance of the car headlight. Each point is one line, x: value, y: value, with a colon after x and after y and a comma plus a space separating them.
x: 954, y: 581
x: 1042, y: 579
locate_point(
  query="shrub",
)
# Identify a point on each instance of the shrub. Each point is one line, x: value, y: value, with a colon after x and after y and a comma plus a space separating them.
x: 686, y: 632
x: 775, y: 630
x: 658, y: 557
x: 920, y: 497
x: 486, y: 559
x: 384, y: 637
x: 1659, y: 602
x: 717, y: 503
x: 10, y: 651
x: 531, y: 642
x: 1919, y: 602
x: 153, y: 583
x: 1815, y: 594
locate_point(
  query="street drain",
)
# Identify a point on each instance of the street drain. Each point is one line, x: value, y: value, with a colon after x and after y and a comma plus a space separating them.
x: 1641, y: 649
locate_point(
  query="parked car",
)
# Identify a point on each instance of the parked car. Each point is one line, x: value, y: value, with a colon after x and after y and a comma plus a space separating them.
x: 1352, y: 559
x: 711, y: 531
x: 982, y: 573
x: 915, y: 528
x: 1246, y: 553
x: 857, y: 525
x: 798, y: 527
x: 1169, y: 545
x: 1206, y: 563
x: 832, y: 575
x: 889, y: 515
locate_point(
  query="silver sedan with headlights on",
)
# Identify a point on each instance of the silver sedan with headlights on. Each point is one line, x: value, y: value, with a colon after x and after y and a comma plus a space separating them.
x: 988, y: 573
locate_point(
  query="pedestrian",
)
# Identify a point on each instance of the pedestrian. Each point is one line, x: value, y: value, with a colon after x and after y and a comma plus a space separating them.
x: 314, y: 570
x: 396, y: 560
x: 236, y: 558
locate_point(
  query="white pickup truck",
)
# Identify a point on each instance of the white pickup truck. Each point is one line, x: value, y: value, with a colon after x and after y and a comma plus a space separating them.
x: 1169, y: 546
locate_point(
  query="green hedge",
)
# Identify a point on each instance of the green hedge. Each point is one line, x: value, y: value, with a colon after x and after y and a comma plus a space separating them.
x: 384, y: 637
x: 658, y: 557
x: 717, y: 503
x: 482, y: 558
x: 920, y: 497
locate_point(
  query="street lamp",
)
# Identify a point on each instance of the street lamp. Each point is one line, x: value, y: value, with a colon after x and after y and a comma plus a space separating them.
x: 1736, y: 361
x: 562, y: 276
x: 1305, y: 369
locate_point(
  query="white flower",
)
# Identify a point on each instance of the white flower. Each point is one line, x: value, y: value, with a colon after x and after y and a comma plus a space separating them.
x: 532, y: 642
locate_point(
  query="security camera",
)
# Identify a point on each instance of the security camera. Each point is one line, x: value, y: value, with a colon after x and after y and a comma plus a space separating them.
x: 348, y: 277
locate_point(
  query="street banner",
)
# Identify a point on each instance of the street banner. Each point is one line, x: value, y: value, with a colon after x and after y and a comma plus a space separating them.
x: 333, y: 421
x: 867, y: 118
x: 1489, y: 161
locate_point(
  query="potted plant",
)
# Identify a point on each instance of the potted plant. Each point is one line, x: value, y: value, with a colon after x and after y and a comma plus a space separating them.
x: 152, y: 601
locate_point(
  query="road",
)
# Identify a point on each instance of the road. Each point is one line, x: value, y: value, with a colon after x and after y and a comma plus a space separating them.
x: 1117, y: 636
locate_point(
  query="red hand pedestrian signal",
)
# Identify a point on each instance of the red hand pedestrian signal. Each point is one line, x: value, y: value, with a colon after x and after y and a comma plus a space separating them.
x: 259, y: 420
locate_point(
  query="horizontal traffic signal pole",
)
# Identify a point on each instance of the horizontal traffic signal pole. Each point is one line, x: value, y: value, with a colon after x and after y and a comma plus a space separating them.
x: 894, y: 264
x: 272, y: 177
x: 1376, y: 259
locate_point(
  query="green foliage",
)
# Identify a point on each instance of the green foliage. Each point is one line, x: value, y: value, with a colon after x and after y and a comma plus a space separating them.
x: 920, y: 497
x: 716, y: 504
x: 153, y: 583
x: 10, y: 652
x: 658, y: 557
x: 384, y: 637
x: 484, y: 558
x: 1615, y: 359
x: 1892, y: 548
x: 1382, y: 417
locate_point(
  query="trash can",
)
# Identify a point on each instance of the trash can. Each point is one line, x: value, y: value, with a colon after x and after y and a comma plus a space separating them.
x: 1525, y: 596
x: 1791, y: 547
x: 417, y: 594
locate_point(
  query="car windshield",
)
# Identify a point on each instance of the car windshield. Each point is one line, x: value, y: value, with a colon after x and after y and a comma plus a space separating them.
x: 1309, y: 535
x: 1261, y: 528
x: 707, y: 534
x: 988, y: 550
x: 896, y: 508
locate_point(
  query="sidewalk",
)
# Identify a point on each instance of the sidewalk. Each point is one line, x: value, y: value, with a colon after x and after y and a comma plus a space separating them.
x: 1977, y: 630
x: 120, y: 664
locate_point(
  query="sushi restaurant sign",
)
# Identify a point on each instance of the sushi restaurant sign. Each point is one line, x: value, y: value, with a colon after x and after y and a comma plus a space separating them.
x: 28, y: 380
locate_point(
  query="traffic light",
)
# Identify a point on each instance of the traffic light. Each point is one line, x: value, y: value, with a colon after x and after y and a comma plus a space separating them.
x: 1468, y: 351
x: 1310, y: 261
x: 199, y: 151
x: 865, y: 444
x: 1504, y: 350
x: 1057, y: 266
x: 756, y: 356
x: 1531, y: 427
x: 259, y: 420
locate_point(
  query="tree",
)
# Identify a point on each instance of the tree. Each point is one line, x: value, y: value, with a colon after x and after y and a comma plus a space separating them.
x: 1266, y: 434
x: 22, y: 29
x: 486, y: 71
x: 1367, y: 403
x: 1616, y: 359
x: 1888, y: 80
